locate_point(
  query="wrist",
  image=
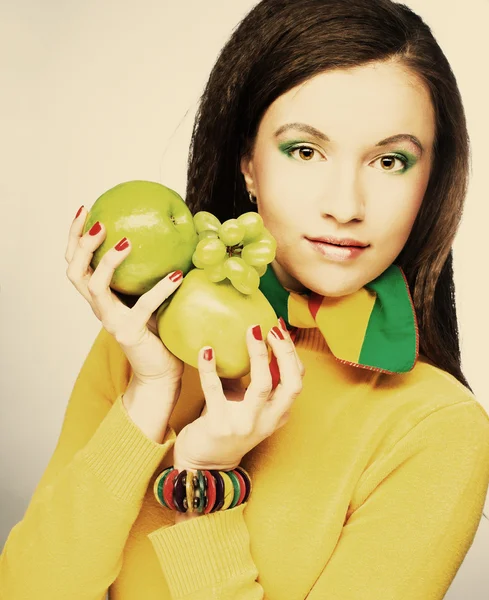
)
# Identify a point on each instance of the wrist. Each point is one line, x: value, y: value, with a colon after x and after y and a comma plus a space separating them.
x: 149, y: 405
x: 179, y: 517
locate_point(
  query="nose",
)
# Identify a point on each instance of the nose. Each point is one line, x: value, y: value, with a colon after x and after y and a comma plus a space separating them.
x: 342, y: 195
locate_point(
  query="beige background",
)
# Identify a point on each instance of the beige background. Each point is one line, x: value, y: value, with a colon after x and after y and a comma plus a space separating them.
x: 96, y: 93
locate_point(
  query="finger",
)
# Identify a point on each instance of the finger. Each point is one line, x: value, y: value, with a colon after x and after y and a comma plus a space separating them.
x: 79, y: 271
x: 293, y: 335
x: 154, y: 298
x: 74, y: 234
x: 260, y: 386
x: 209, y: 380
x: 290, y: 385
x: 98, y: 285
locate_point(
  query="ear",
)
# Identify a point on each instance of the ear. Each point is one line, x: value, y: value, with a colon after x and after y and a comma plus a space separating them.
x: 246, y: 167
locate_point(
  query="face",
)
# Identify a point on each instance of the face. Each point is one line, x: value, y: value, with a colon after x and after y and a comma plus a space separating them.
x: 321, y: 166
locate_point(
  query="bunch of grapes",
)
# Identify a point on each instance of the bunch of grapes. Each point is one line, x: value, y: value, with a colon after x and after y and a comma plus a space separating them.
x: 239, y: 249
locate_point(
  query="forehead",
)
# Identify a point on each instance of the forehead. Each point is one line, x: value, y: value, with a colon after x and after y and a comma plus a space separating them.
x: 362, y: 104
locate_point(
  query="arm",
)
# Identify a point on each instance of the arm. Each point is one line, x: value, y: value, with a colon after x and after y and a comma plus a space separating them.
x: 412, y: 520
x: 224, y: 569
x: 91, y: 491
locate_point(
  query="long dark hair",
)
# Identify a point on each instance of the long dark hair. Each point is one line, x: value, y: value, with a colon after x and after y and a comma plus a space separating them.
x: 280, y: 44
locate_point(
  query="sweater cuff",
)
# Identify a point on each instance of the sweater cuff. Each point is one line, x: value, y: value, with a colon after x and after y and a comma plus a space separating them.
x: 204, y: 551
x: 122, y: 456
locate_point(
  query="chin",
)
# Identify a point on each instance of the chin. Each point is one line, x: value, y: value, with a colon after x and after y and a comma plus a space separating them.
x: 336, y: 286
x: 338, y: 292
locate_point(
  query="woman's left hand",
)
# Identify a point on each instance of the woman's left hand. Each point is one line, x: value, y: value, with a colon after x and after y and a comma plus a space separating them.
x: 234, y: 420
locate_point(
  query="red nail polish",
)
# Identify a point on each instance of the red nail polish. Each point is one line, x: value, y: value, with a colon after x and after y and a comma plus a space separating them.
x: 208, y: 354
x: 95, y: 228
x: 282, y: 324
x: 256, y: 331
x: 277, y: 333
x: 176, y: 276
x: 79, y: 211
x: 122, y: 245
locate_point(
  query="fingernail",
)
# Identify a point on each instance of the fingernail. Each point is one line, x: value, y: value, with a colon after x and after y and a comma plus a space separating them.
x: 122, y: 245
x: 208, y: 354
x: 79, y: 211
x: 277, y: 333
x: 257, y: 332
x: 95, y: 228
x: 176, y: 276
x: 282, y: 324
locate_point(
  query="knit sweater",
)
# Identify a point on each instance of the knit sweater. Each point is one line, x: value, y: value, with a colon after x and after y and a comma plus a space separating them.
x: 373, y: 489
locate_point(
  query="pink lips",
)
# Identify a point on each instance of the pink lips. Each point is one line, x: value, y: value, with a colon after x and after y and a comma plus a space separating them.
x: 337, y: 253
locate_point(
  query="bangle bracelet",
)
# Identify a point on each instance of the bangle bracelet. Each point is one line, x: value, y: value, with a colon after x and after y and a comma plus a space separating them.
x: 203, y: 491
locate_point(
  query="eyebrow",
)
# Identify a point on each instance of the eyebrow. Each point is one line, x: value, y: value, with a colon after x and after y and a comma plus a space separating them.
x: 400, y: 137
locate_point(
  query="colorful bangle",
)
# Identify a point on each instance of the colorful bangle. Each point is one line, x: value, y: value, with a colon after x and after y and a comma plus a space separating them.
x: 202, y: 491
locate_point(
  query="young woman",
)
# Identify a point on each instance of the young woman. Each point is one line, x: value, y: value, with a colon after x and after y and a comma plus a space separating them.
x: 366, y: 451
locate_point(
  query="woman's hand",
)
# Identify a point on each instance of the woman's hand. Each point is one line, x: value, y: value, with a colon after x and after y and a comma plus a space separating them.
x: 233, y: 423
x: 150, y: 360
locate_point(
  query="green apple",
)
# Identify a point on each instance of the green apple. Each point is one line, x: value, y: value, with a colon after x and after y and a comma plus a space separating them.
x: 159, y: 226
x: 203, y: 313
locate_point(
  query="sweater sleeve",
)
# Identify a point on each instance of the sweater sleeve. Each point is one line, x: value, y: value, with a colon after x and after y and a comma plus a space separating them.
x: 70, y: 541
x: 420, y: 507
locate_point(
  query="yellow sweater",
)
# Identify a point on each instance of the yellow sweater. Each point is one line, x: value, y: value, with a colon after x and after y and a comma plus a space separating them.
x: 373, y: 490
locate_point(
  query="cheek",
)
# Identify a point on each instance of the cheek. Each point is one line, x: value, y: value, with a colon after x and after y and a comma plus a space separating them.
x: 279, y: 204
x: 394, y: 223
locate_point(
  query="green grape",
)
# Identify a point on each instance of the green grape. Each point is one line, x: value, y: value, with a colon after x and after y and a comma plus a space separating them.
x: 243, y: 277
x: 248, y: 283
x: 258, y: 253
x: 210, y: 251
x: 205, y: 220
x: 260, y: 269
x: 216, y: 272
x: 208, y: 233
x: 253, y: 225
x: 197, y: 263
x: 231, y: 232
x: 266, y: 237
x: 234, y: 265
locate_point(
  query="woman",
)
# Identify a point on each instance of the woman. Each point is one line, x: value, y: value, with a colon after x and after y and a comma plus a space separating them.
x: 331, y: 119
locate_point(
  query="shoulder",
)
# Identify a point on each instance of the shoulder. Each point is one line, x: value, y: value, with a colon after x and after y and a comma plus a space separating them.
x: 432, y: 426
x: 425, y: 405
x: 435, y: 396
x: 439, y: 385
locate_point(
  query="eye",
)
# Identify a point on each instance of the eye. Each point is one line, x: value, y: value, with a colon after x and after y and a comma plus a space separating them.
x: 306, y: 153
x: 389, y: 160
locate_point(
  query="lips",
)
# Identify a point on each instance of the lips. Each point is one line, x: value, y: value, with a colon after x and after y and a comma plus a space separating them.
x: 342, y: 242
x: 336, y: 252
x: 345, y: 243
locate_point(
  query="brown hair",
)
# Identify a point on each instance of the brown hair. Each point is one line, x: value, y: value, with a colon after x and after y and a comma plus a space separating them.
x: 280, y: 44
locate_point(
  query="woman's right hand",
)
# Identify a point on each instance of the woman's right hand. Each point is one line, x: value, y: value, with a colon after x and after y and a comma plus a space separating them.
x: 150, y: 360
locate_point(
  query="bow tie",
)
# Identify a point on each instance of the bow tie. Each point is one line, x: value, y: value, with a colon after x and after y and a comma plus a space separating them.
x: 373, y: 328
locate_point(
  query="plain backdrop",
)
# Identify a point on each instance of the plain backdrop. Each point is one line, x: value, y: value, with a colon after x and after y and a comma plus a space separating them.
x: 96, y: 93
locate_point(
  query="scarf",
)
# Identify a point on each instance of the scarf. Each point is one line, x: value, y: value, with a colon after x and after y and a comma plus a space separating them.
x: 373, y: 328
